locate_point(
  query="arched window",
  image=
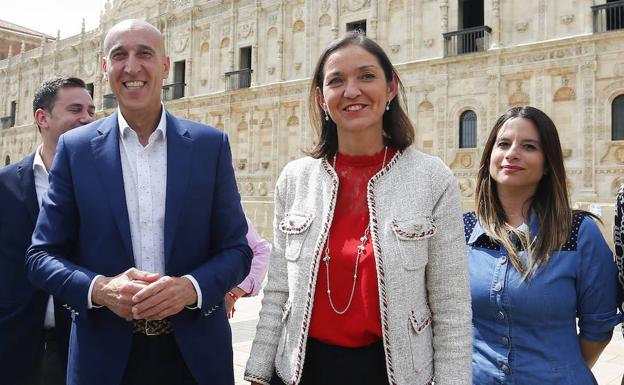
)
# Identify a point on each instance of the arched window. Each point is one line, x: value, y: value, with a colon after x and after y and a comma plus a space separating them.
x: 617, y: 118
x: 7, y: 160
x: 468, y: 129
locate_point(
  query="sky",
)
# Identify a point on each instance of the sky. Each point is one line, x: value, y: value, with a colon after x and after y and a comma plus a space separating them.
x: 48, y: 16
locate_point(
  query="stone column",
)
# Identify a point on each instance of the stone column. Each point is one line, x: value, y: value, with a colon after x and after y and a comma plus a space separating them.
x: 588, y: 86
x: 334, y: 16
x: 496, y: 24
x: 280, y: 41
x: 254, y: 47
x: 588, y: 22
x: 444, y: 6
x: 374, y: 17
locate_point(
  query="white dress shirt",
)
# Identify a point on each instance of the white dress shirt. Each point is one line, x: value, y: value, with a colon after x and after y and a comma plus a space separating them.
x: 41, y: 186
x: 144, y: 170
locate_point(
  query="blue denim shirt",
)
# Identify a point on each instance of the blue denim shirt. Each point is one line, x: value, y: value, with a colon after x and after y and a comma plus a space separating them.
x: 525, y: 330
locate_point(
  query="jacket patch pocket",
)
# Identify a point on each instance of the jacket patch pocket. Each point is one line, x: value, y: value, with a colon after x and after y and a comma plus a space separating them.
x: 420, y: 322
x: 421, y: 338
x: 413, y: 229
x: 295, y: 225
x: 412, y: 240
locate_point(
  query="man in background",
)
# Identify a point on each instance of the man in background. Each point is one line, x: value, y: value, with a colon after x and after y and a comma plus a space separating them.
x: 34, y: 328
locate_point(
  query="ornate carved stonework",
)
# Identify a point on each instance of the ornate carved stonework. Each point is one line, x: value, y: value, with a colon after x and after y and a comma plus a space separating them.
x: 444, y: 15
x: 324, y: 6
x: 564, y: 94
x: 245, y: 30
x: 225, y: 30
x: 616, y: 184
x: 298, y: 14
x: 272, y: 20
x: 262, y: 189
x: 464, y: 158
x: 180, y: 44
x: 518, y: 98
x: 466, y: 187
x: 354, y: 5
x: 614, y: 153
x: 180, y: 3
x: 324, y: 20
x: 567, y: 19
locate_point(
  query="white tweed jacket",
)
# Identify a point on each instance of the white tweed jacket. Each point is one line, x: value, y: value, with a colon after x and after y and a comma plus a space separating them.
x: 418, y: 241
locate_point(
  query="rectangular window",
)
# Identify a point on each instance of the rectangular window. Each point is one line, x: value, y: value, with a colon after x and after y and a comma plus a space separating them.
x: 615, y: 16
x: 244, y: 62
x: 359, y: 25
x: 179, y: 79
x: 9, y: 121
x: 245, y: 58
x: 470, y: 13
x: 90, y: 89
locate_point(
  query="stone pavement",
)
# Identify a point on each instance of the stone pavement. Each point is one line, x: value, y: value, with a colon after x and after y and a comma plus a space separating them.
x: 608, y: 370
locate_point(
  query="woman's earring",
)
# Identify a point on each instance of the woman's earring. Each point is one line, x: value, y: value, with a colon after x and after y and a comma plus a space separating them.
x: 326, y: 116
x: 388, y: 106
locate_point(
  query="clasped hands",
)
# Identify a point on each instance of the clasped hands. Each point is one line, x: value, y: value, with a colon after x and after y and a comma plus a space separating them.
x: 137, y: 294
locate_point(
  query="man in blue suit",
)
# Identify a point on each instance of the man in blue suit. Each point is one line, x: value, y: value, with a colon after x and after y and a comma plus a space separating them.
x: 142, y: 232
x: 34, y: 329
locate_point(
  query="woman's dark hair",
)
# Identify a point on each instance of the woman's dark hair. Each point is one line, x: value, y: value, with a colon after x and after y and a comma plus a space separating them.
x: 398, y: 131
x: 550, y: 203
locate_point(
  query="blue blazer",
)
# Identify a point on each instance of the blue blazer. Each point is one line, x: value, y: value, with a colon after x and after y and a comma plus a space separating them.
x: 83, y: 230
x: 22, y: 306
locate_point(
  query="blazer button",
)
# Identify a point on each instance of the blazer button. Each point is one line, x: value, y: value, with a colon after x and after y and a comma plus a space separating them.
x: 500, y: 316
x: 505, y: 368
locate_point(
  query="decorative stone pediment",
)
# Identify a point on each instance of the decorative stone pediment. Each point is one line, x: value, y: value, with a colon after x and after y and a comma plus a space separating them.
x: 564, y: 94
x: 614, y: 153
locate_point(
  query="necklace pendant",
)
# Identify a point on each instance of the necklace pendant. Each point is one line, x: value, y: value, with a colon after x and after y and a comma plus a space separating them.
x: 326, y: 258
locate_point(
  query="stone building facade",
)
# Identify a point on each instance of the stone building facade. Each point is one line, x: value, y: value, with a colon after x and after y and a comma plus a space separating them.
x: 244, y: 67
x: 15, y: 39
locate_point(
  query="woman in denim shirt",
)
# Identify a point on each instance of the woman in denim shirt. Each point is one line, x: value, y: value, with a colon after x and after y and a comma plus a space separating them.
x: 535, y: 264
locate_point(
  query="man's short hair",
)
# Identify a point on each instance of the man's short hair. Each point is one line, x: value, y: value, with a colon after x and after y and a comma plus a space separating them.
x: 45, y: 95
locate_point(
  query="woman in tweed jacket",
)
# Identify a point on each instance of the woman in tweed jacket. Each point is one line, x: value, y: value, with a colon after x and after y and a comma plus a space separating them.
x: 411, y: 243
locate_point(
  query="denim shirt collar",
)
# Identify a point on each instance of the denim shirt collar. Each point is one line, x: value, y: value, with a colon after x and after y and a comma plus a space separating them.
x: 478, y: 231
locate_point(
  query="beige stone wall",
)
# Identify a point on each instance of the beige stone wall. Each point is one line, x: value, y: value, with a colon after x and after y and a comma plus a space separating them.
x: 542, y: 52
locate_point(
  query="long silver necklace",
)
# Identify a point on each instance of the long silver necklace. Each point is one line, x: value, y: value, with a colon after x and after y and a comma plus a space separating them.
x: 360, y: 251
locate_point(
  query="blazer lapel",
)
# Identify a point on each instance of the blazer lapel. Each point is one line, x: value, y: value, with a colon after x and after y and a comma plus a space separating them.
x: 26, y: 177
x: 105, y: 148
x: 179, y: 156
